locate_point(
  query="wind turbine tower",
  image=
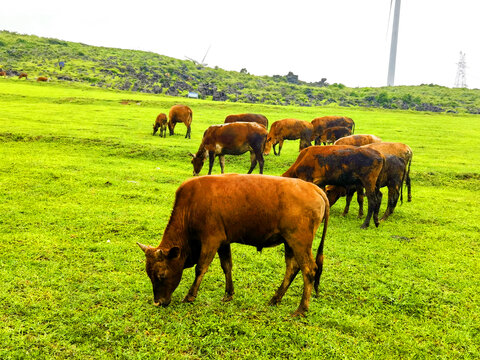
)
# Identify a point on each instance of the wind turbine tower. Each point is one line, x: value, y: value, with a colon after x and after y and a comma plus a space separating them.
x: 393, y: 43
x: 460, y: 79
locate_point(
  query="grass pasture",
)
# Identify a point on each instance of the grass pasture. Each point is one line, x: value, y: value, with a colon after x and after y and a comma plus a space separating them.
x: 82, y: 180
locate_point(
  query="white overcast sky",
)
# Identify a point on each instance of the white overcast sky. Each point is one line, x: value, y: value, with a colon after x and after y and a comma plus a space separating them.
x: 345, y: 41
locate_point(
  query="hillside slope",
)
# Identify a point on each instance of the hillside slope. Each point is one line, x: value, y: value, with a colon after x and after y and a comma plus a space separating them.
x: 148, y: 72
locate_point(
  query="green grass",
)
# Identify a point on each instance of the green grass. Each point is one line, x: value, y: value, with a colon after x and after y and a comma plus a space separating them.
x: 82, y: 180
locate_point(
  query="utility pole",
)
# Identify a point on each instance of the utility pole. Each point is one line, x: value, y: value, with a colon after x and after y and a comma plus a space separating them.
x: 393, y: 44
x: 460, y: 79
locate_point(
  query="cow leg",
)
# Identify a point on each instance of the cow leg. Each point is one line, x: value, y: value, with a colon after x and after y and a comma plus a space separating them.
x: 221, y: 160
x: 275, y: 151
x: 211, y: 160
x: 393, y: 194
x: 280, y: 145
x: 206, y: 256
x: 372, y: 204
x: 225, y: 255
x: 317, y: 141
x: 253, y: 162
x: 409, y: 187
x: 360, y: 197
x: 304, y: 257
x: 291, y: 271
x: 259, y: 158
x: 348, y: 198
x: 378, y: 196
x: 189, y: 129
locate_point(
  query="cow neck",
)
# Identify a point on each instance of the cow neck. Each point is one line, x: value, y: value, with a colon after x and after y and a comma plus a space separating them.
x: 176, y: 235
x: 201, y: 151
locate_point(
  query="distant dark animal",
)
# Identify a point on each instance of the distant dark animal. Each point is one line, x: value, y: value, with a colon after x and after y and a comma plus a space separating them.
x: 358, y: 140
x: 397, y: 169
x: 258, y: 118
x: 231, y: 139
x: 4, y: 74
x: 344, y: 166
x: 23, y: 75
x: 332, y: 134
x: 212, y: 212
x: 42, y: 78
x: 180, y: 114
x: 322, y: 123
x: 289, y: 129
x: 160, y: 124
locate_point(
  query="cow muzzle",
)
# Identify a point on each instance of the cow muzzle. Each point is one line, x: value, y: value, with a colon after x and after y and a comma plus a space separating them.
x: 163, y: 303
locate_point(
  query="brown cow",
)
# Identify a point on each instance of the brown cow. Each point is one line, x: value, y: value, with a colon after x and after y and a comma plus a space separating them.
x: 42, y: 78
x: 231, y: 139
x: 288, y: 129
x: 212, y: 212
x: 358, y: 140
x: 322, y: 123
x: 4, y: 74
x: 332, y: 134
x: 345, y: 166
x: 23, y: 75
x: 160, y: 123
x: 178, y: 114
x: 258, y: 118
x: 397, y: 168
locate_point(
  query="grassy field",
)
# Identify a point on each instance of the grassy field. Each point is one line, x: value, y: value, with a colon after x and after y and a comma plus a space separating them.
x: 82, y: 180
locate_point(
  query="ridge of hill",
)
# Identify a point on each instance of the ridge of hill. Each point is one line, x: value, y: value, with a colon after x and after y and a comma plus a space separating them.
x: 134, y: 70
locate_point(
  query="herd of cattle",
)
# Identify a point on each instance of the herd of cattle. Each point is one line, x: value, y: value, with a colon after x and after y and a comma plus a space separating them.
x: 24, y: 75
x: 211, y: 212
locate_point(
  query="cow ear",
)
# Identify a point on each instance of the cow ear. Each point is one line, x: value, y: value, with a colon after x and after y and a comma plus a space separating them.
x: 173, y: 253
x: 190, y: 154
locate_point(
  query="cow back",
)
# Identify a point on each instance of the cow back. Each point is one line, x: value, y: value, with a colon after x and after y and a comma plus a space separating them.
x: 358, y: 140
x: 258, y: 118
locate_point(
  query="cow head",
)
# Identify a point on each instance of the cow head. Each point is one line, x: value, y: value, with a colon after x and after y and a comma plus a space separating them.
x: 334, y: 193
x: 197, y: 162
x: 268, y: 146
x: 171, y: 126
x: 164, y: 268
x: 155, y: 127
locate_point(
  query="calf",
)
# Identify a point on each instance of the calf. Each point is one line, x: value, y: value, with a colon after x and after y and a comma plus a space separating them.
x: 345, y: 166
x: 180, y: 114
x: 258, y: 118
x: 160, y: 123
x: 288, y: 129
x: 4, y: 74
x: 212, y: 212
x: 397, y: 169
x: 322, y: 123
x: 231, y: 139
x: 330, y: 135
x: 23, y: 75
x: 42, y: 78
x: 358, y: 140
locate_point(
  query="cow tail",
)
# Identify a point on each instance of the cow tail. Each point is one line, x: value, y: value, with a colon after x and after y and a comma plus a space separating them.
x: 319, y: 258
x: 401, y: 184
x: 353, y: 129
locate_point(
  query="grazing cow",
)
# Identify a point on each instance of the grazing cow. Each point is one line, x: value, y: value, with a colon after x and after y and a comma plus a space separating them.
x: 23, y: 75
x: 42, y: 78
x: 332, y: 134
x: 322, y: 123
x: 212, y: 212
x: 231, y: 139
x: 345, y: 166
x: 358, y: 140
x: 288, y: 129
x: 258, y: 118
x: 397, y: 168
x: 180, y: 114
x: 160, y: 123
x: 4, y: 74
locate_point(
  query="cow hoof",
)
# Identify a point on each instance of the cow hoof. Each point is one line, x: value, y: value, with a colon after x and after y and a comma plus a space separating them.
x: 227, y: 298
x: 360, y: 216
x: 274, y: 301
x: 188, y: 299
x: 298, y: 313
x: 364, y: 226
